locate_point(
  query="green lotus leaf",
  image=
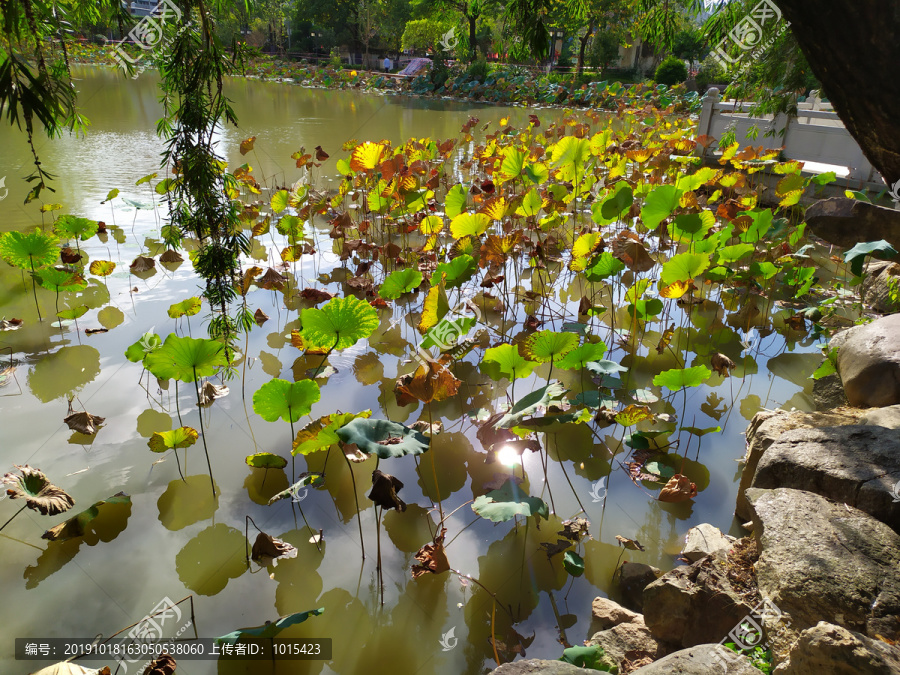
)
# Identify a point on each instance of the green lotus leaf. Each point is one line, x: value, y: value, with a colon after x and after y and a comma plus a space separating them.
x: 469, y: 225
x: 102, y: 268
x: 455, y: 201
x: 339, y: 324
x: 383, y: 438
x: 579, y: 357
x: 548, y: 345
x: 186, y: 359
x: 61, y: 281
x: 508, y: 502
x: 505, y: 361
x: 29, y: 250
x: 321, y: 434
x: 605, y: 265
x: 616, y: 202
x: 573, y: 563
x: 731, y: 254
x: 188, y: 307
x: 856, y: 255
x: 683, y: 267
x: 73, y: 313
x: 399, y: 282
x: 289, y: 401
x: 690, y: 227
x: 182, y: 437
x: 74, y: 227
x: 148, y: 343
x: 268, y: 630
x: 678, y: 378
x: 456, y: 272
x: 659, y: 204
x: 550, y: 394
x: 761, y: 221
x: 266, y: 460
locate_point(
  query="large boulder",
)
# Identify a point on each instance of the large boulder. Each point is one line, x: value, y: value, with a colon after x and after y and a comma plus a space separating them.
x: 888, y: 417
x: 768, y: 425
x: 826, y: 649
x: 879, y: 283
x: 633, y: 579
x: 823, y: 560
x: 868, y: 362
x: 695, y: 604
x: 857, y: 465
x: 708, y: 659
x: 538, y: 667
x: 629, y: 642
x: 606, y: 613
x: 702, y: 540
x: 845, y: 222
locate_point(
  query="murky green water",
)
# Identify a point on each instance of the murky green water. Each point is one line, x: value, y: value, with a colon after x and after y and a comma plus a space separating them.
x: 174, y: 539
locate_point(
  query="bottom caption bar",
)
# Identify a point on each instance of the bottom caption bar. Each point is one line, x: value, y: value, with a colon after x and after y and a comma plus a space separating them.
x: 133, y: 650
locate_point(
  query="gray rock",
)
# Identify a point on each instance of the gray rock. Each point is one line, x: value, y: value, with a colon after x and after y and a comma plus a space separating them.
x: 694, y: 605
x: 765, y: 427
x: 633, y: 579
x: 857, y: 465
x: 826, y: 649
x: 869, y: 363
x: 538, y: 667
x: 708, y: 659
x: 828, y: 392
x: 888, y: 417
x: 876, y: 286
x: 845, y: 222
x: 606, y: 613
x: 822, y: 560
x: 632, y: 641
x: 702, y: 540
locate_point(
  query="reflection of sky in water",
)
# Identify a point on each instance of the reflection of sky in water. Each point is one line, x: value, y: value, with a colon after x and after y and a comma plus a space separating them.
x: 178, y: 540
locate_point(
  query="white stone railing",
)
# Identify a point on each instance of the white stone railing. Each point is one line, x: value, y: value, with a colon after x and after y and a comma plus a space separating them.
x: 815, y: 135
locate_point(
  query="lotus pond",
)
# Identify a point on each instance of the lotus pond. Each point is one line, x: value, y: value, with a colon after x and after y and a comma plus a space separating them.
x: 610, y: 313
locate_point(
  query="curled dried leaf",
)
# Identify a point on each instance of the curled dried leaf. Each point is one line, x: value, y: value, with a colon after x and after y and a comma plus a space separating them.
x: 432, y: 557
x: 384, y: 490
x: 171, y: 256
x: 268, y: 549
x: 678, y: 489
x: 84, y: 423
x: 631, y: 544
x: 721, y: 364
x: 142, y: 264
x: 38, y: 492
x: 209, y: 392
x: 431, y: 382
x: 163, y: 665
x: 271, y: 280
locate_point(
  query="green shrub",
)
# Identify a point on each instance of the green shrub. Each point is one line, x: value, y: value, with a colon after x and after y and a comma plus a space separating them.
x: 710, y: 72
x: 334, y: 60
x: 671, y: 71
x: 100, y: 40
x: 478, y: 70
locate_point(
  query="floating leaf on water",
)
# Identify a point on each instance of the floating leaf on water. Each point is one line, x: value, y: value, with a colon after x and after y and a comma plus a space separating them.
x: 260, y: 317
x: 508, y: 502
x: 269, y: 630
x: 339, y: 324
x: 171, y: 256
x: 384, y: 491
x: 573, y: 563
x: 38, y: 492
x: 632, y: 544
x: 188, y: 307
x: 109, y: 317
x: 271, y: 280
x: 266, y: 460
x: 267, y: 549
x: 182, y: 437
x: 11, y: 324
x: 678, y: 489
x: 77, y: 525
x: 84, y: 423
x: 548, y: 345
x: 432, y: 558
x: 142, y: 264
x: 102, y: 268
x: 73, y: 313
x: 677, y: 378
x: 209, y: 392
x: 28, y: 250
x: 702, y: 432
x: 633, y: 414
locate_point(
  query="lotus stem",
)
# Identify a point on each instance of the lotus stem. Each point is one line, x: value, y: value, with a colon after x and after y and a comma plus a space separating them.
x: 212, y: 483
x: 356, y: 499
x: 34, y: 289
x: 14, y: 515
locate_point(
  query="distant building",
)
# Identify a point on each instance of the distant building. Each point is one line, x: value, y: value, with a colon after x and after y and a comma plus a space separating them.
x: 139, y: 7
